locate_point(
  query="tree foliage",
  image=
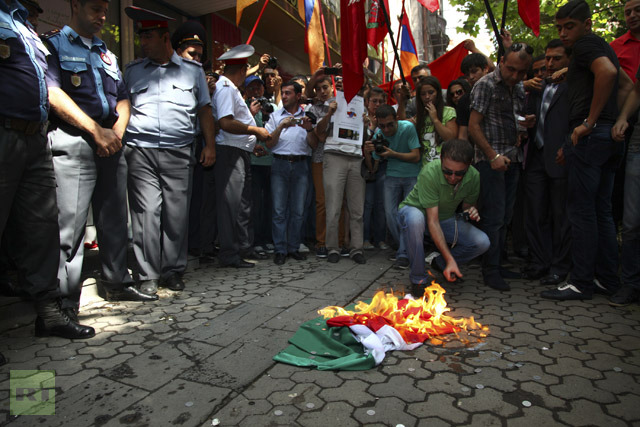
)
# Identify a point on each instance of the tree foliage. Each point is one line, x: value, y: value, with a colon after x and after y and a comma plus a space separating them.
x: 608, y: 20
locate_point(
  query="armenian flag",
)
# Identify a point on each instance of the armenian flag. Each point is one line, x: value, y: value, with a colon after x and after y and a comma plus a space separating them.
x: 309, y: 11
x: 408, y: 55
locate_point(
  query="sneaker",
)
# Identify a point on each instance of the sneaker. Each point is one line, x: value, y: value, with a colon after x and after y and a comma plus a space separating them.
x: 259, y: 248
x: 624, y: 296
x: 401, y: 264
x: 496, y: 282
x: 303, y: 248
x: 368, y: 246
x: 269, y: 248
x: 392, y: 257
x: 321, y: 252
x: 345, y: 252
x: 333, y: 257
x: 359, y: 258
x: 565, y: 292
x: 383, y: 246
x: 429, y: 258
x: 602, y: 289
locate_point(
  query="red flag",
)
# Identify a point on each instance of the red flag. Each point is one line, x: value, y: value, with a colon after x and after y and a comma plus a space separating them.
x: 529, y: 11
x: 353, y: 39
x: 431, y: 5
x: 447, y: 67
x: 376, y: 26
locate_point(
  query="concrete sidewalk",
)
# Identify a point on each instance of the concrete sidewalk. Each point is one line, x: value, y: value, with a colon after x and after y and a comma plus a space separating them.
x: 204, y: 356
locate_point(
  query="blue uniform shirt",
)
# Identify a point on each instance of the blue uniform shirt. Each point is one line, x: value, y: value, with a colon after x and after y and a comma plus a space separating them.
x: 89, y: 76
x: 165, y: 100
x: 23, y: 65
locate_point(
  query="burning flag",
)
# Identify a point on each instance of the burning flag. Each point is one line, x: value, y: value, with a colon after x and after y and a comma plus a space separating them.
x: 358, y: 339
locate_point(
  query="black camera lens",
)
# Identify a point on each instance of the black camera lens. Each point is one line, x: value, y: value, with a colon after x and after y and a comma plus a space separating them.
x: 273, y: 62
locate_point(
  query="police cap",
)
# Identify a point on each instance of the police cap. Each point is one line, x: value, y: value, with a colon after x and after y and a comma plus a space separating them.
x: 34, y: 4
x: 191, y: 32
x: 237, y: 54
x: 146, y: 19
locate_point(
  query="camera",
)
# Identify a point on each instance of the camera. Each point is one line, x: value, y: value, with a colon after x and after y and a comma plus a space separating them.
x: 465, y: 216
x: 379, y: 142
x: 312, y: 117
x: 266, y: 106
x: 273, y: 62
x: 296, y: 122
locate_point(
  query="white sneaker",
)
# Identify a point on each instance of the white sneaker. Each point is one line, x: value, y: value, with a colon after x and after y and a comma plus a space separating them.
x: 368, y: 246
x: 431, y: 257
x: 269, y: 248
x: 303, y: 249
x: 259, y: 249
x: 383, y: 246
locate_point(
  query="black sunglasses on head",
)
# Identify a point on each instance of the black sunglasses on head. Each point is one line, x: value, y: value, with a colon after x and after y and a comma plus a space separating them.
x: 449, y: 172
x: 517, y: 46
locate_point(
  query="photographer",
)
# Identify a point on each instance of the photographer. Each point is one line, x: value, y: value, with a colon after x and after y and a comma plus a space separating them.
x: 396, y: 141
x: 430, y: 210
x: 289, y: 172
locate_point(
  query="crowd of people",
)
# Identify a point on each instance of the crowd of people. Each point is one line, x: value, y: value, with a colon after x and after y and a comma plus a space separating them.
x: 243, y: 166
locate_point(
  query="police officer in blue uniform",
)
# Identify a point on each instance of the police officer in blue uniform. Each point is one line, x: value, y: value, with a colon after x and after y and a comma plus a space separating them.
x: 167, y: 93
x: 90, y: 114
x: 27, y: 181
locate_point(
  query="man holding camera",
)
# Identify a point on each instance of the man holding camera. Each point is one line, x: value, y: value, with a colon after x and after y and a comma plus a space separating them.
x: 397, y: 141
x: 289, y: 172
x: 430, y: 209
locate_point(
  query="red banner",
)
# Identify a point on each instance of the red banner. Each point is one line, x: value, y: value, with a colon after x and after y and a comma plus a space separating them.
x: 376, y: 26
x: 529, y: 11
x: 353, y: 39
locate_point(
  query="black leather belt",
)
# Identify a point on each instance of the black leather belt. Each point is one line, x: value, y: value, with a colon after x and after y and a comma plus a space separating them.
x: 291, y: 158
x: 21, y: 125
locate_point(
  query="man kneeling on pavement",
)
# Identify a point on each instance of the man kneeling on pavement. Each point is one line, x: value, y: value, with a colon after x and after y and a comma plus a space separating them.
x: 430, y: 210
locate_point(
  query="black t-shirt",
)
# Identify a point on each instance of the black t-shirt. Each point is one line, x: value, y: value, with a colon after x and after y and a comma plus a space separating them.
x: 463, y: 110
x: 580, y: 79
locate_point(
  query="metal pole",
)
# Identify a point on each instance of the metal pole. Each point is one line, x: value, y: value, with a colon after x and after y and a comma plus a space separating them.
x: 395, y: 47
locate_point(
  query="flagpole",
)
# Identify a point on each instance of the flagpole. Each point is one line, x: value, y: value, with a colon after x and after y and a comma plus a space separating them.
x: 384, y: 65
x: 393, y: 68
x: 504, y: 21
x: 326, y: 44
x: 395, y: 47
x: 257, y: 20
x: 492, y: 19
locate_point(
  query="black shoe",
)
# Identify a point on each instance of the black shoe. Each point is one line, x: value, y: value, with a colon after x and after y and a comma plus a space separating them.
x: 551, y: 280
x: 345, y: 252
x: 239, y: 264
x: 255, y: 255
x: 297, y: 256
x: 149, y: 287
x: 71, y: 313
x: 626, y: 295
x: 508, y: 274
x: 52, y: 321
x: 279, y: 258
x: 565, y: 292
x: 174, y: 282
x: 196, y: 253
x: 417, y: 290
x: 496, y: 282
x: 358, y: 258
x: 333, y: 257
x: 130, y: 293
x: 401, y: 263
x: 602, y: 289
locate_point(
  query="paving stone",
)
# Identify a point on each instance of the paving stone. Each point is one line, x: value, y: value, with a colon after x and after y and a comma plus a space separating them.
x: 352, y: 391
x: 533, y: 416
x: 315, y: 279
x: 386, y: 411
x: 322, y: 378
x: 487, y: 399
x: 400, y: 386
x: 291, y: 318
x: 606, y: 362
x: 575, y: 367
x: 239, y: 409
x: 439, y: 405
x: 485, y: 420
x: 266, y: 385
x: 574, y: 387
x: 489, y: 377
x: 177, y: 403
x: 449, y: 383
x: 337, y: 413
x: 587, y: 413
x: 628, y: 408
x: 619, y: 383
x: 539, y: 395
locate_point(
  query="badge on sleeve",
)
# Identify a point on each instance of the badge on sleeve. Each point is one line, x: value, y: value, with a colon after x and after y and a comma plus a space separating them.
x: 5, y: 51
x: 76, y: 80
x: 105, y: 58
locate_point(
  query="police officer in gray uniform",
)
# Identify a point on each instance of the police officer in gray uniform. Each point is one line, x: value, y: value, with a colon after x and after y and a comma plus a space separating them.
x: 91, y: 112
x: 167, y: 93
x: 27, y: 182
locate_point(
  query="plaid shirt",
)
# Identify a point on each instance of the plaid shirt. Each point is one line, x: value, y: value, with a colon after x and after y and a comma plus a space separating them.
x: 491, y: 97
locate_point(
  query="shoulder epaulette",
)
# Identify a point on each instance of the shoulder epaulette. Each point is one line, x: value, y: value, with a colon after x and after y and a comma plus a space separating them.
x: 50, y: 34
x: 135, y: 61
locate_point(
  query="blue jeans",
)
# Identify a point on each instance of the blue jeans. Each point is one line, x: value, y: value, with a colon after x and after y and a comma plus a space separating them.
x: 289, y: 184
x: 631, y: 222
x: 395, y: 191
x: 497, y: 197
x: 374, y: 213
x: 471, y: 241
x: 591, y: 166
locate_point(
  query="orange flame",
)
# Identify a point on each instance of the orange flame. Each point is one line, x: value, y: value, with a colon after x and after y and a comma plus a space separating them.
x: 416, y: 320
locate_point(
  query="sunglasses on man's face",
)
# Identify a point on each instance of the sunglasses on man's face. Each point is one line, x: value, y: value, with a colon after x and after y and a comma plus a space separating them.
x: 449, y: 172
x: 459, y: 92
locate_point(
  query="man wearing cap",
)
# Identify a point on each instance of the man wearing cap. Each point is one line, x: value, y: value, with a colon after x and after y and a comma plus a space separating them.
x: 34, y: 9
x: 90, y: 113
x: 27, y: 181
x: 167, y: 93
x: 235, y: 142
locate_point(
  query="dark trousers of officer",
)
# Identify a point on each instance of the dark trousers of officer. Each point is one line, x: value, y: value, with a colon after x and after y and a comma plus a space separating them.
x: 85, y: 179
x: 159, y: 193
x: 28, y: 209
x: 208, y: 211
x: 233, y: 202
x: 548, y: 230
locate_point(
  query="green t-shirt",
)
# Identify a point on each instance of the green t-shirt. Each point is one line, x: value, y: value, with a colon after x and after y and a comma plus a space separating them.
x: 403, y: 141
x: 428, y: 138
x: 432, y: 189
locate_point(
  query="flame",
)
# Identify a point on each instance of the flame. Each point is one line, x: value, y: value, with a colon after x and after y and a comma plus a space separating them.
x: 416, y: 320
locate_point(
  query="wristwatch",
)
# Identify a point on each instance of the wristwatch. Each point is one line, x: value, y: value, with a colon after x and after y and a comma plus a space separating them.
x: 587, y: 125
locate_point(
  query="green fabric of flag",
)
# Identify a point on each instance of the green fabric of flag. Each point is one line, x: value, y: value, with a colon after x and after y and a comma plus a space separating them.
x: 319, y: 346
